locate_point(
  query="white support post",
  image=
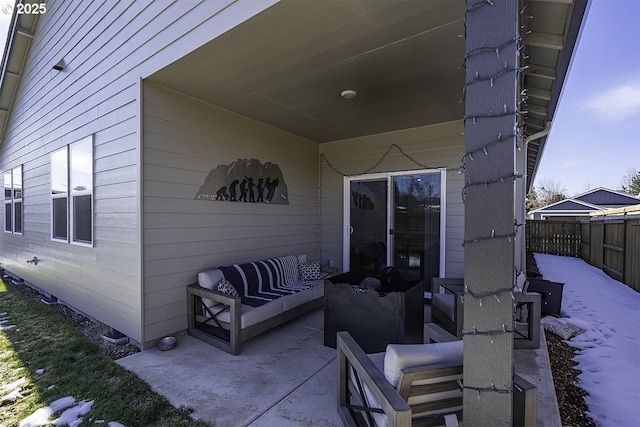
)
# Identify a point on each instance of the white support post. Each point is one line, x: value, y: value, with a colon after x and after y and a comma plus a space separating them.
x: 491, y: 123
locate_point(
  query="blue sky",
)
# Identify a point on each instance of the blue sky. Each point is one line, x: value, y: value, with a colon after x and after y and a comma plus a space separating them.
x: 595, y: 137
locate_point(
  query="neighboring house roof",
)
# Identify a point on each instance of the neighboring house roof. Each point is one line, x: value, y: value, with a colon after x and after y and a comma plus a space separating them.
x: 567, y: 207
x: 598, y: 199
x: 609, y: 198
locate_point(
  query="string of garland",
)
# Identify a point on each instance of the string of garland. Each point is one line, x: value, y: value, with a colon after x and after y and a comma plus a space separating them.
x: 490, y: 334
x: 486, y: 184
x: 492, y: 388
x: 484, y: 148
x: 481, y: 295
x: 479, y: 4
x: 493, y: 235
x: 490, y: 78
x: 491, y: 115
x: 379, y: 162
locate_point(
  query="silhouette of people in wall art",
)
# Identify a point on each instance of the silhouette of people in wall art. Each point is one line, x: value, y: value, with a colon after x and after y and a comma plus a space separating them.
x: 260, y: 188
x: 232, y: 190
x: 221, y: 194
x: 243, y: 191
x: 271, y: 188
x: 252, y: 197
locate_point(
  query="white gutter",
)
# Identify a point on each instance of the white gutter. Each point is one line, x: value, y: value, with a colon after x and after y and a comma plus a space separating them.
x: 544, y: 132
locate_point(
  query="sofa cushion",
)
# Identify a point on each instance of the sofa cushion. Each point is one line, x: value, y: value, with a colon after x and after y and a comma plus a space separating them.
x: 209, y: 279
x: 299, y: 298
x: 310, y: 271
x: 290, y: 269
x: 225, y: 287
x: 401, y: 356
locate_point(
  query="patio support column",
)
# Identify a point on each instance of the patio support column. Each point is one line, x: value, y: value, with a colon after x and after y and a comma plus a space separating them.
x: 491, y: 118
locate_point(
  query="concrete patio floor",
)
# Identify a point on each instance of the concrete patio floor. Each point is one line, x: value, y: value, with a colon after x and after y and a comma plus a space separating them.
x: 284, y: 377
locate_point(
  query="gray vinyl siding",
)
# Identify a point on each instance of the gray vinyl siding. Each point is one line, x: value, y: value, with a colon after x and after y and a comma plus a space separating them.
x: 435, y: 146
x: 184, y: 139
x: 108, y: 47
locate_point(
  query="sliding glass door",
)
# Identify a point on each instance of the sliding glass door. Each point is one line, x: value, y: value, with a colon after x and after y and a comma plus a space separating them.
x: 395, y: 219
x: 415, y: 234
x: 368, y: 225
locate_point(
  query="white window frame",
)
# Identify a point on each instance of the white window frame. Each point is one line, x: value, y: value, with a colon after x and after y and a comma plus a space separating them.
x: 14, y: 200
x: 72, y: 194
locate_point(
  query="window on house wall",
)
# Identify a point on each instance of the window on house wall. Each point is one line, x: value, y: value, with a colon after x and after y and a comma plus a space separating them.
x: 81, y: 171
x: 72, y: 193
x: 60, y: 195
x: 13, y: 200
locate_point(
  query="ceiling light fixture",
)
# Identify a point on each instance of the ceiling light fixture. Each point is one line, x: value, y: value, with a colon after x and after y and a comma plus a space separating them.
x: 348, y: 94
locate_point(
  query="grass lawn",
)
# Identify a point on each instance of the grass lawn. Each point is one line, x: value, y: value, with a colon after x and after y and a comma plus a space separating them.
x: 33, y: 337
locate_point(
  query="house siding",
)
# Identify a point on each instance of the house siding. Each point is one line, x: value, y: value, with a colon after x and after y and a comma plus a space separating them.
x: 184, y: 139
x: 435, y: 146
x: 107, y: 47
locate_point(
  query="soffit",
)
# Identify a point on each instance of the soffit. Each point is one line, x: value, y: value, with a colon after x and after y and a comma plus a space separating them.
x: 287, y: 66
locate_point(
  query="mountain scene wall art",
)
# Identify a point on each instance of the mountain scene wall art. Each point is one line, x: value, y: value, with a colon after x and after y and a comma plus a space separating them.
x: 245, y: 181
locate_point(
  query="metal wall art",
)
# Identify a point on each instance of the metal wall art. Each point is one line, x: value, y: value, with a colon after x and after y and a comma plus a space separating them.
x: 247, y: 181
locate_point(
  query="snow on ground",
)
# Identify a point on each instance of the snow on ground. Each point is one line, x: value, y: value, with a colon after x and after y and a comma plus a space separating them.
x: 608, y: 351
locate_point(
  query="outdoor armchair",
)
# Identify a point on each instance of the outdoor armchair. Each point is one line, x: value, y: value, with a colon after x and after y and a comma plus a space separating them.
x: 412, y: 384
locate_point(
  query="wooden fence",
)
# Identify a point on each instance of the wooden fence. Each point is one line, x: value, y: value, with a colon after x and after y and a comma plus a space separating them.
x: 553, y: 237
x: 609, y: 241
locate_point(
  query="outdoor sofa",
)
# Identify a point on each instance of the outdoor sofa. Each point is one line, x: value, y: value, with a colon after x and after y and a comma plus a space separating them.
x: 267, y: 293
x: 412, y: 384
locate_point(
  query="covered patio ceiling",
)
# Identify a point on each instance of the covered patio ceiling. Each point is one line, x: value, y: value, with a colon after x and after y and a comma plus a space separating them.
x: 288, y: 65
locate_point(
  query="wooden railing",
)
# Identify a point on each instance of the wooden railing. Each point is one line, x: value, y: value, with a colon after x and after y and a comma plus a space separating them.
x: 609, y: 241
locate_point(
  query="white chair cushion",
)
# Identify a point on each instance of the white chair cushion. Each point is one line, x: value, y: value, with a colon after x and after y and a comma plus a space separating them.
x: 401, y: 356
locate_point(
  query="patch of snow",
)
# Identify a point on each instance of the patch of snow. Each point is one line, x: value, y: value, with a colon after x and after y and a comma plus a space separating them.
x: 608, y: 350
x: 41, y: 416
x: 6, y: 328
x: 39, y: 371
x: 115, y: 424
x: 13, y: 396
x: 73, y: 416
x: 13, y: 385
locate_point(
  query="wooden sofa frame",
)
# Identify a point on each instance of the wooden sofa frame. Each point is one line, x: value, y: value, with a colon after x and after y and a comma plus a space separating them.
x: 230, y: 339
x: 353, y: 410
